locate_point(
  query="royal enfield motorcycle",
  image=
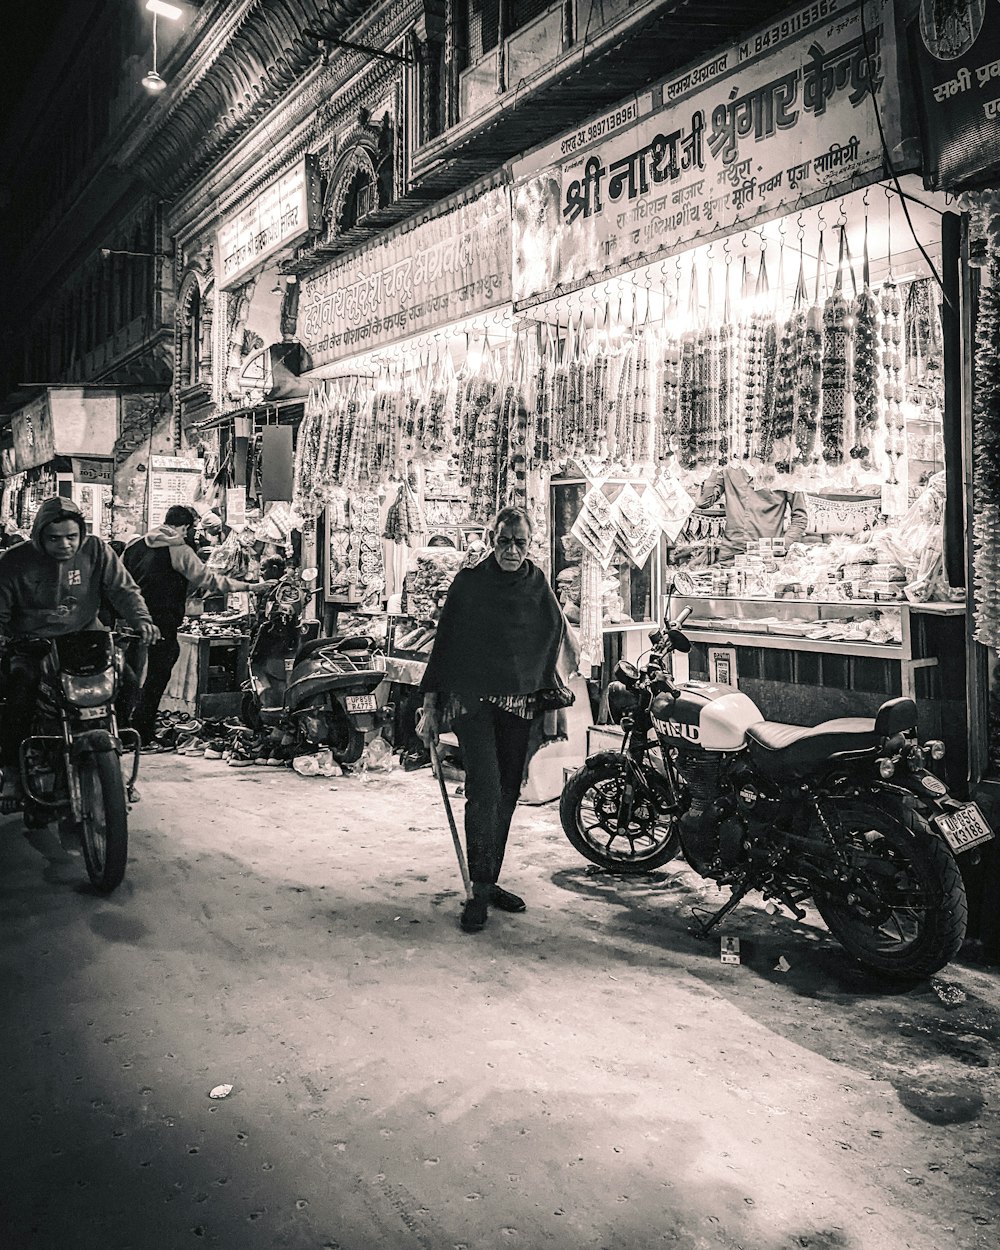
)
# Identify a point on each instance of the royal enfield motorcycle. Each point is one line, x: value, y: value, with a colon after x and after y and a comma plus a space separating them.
x: 71, y: 761
x: 322, y: 690
x: 848, y: 813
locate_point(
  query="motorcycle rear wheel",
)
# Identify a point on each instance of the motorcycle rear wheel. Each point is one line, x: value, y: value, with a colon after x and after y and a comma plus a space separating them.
x: 918, y: 924
x: 104, y: 827
x: 346, y: 741
x: 590, y: 808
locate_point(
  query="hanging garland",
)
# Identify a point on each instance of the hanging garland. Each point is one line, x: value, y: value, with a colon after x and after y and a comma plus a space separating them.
x: 986, y: 441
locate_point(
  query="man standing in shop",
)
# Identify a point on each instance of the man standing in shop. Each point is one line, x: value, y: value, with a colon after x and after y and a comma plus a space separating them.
x: 167, y: 570
x: 496, y: 649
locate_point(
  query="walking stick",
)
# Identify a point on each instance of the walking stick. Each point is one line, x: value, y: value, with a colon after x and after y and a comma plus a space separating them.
x: 436, y: 766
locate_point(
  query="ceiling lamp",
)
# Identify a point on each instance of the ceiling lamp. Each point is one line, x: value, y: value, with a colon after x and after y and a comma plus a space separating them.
x: 152, y: 80
x: 164, y: 10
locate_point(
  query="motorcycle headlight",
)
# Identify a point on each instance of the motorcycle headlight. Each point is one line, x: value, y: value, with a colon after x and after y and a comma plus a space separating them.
x: 621, y: 701
x: 625, y: 673
x: 886, y: 768
x: 88, y: 691
x: 935, y: 749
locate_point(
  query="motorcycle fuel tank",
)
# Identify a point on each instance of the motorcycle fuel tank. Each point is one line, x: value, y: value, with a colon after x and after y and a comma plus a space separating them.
x: 705, y: 716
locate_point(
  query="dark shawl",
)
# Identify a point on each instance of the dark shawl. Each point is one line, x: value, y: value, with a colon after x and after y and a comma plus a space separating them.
x: 499, y: 633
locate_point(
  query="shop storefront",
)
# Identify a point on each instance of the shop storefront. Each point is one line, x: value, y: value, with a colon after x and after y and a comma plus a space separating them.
x: 741, y: 348
x: 712, y: 364
x: 956, y: 58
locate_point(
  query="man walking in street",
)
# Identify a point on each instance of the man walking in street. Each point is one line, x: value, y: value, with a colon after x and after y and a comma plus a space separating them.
x: 167, y: 570
x: 494, y: 656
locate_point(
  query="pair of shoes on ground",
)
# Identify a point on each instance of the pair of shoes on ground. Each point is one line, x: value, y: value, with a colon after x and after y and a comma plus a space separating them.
x: 476, y: 910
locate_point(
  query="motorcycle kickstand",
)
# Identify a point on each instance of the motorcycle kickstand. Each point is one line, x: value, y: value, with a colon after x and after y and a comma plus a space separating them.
x: 702, y: 928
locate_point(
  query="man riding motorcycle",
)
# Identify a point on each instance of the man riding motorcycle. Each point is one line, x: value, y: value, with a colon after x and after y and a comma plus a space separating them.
x: 53, y: 585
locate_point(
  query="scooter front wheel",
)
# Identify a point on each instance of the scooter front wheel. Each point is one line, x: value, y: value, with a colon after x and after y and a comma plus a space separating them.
x: 104, y: 827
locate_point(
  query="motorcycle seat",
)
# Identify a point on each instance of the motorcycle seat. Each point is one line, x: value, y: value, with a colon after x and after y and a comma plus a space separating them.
x: 783, y: 750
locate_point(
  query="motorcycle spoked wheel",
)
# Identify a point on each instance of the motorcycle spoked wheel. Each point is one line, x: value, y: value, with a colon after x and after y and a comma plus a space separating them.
x: 346, y: 741
x: 590, y: 813
x: 912, y: 920
x: 104, y: 827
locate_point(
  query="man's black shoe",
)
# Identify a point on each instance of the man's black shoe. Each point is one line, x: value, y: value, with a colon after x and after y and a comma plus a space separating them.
x: 507, y: 901
x: 474, y: 915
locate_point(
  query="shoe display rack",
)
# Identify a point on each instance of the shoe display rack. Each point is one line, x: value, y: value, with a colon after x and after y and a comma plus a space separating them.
x: 208, y: 677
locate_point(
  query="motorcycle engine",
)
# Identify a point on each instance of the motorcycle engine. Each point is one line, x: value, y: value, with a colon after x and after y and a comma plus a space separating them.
x: 699, y: 826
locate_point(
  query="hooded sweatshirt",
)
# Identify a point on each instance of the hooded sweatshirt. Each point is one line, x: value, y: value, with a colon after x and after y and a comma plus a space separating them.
x: 168, y: 571
x: 43, y: 597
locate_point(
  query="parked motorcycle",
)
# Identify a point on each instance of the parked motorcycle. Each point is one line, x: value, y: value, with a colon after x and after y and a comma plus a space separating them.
x: 846, y: 813
x: 71, y: 761
x: 320, y: 689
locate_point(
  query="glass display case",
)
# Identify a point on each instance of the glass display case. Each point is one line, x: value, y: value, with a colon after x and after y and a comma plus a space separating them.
x: 631, y: 593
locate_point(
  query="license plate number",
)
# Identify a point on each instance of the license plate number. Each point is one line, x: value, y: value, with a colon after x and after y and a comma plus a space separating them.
x: 91, y: 713
x: 360, y: 702
x: 964, y: 828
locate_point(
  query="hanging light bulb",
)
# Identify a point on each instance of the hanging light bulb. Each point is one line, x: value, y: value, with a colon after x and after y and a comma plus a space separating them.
x: 152, y: 80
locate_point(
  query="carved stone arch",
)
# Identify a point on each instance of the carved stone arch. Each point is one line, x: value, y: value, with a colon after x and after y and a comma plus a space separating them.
x: 193, y: 327
x: 365, y: 157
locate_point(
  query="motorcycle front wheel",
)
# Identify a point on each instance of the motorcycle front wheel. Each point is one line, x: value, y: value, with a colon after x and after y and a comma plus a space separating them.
x: 104, y: 827
x: 613, y: 823
x: 903, y: 913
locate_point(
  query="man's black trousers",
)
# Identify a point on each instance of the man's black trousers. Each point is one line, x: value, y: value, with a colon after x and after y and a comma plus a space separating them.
x: 160, y: 660
x: 494, y: 749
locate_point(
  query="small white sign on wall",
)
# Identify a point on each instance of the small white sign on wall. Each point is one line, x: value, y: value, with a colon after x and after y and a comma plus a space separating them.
x: 722, y: 666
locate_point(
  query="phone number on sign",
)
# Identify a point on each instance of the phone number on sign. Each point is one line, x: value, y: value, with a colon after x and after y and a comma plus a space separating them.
x: 603, y: 126
x: 802, y: 20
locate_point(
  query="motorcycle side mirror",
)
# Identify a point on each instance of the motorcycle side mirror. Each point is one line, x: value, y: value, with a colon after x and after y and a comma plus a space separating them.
x: 678, y: 641
x: 310, y: 575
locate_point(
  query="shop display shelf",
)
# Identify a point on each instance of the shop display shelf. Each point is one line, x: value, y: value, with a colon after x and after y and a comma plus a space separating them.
x: 911, y: 653
x: 784, y: 642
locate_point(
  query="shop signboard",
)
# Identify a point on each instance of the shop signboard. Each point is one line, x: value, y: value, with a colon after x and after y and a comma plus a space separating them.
x: 781, y: 120
x: 282, y: 212
x: 65, y: 421
x: 33, y: 433
x: 92, y: 472
x: 450, y: 267
x: 956, y: 53
x: 172, y: 480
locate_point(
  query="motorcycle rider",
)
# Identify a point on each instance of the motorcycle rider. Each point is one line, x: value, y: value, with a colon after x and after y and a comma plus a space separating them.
x: 167, y: 569
x: 53, y: 585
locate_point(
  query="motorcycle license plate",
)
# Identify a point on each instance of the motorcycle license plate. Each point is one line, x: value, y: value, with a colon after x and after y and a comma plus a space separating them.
x: 91, y: 713
x: 964, y: 828
x: 360, y: 702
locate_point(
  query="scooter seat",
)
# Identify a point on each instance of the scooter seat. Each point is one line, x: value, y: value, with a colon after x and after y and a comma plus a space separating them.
x: 356, y: 642
x: 788, y: 750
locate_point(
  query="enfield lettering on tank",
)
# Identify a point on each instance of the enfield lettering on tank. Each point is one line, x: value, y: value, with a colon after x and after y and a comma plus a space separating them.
x: 674, y: 728
x: 745, y: 134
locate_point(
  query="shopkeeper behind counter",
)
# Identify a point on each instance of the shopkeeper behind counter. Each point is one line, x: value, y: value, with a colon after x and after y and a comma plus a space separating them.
x: 752, y: 512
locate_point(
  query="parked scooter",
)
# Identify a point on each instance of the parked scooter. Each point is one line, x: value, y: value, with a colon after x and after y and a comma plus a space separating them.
x: 846, y: 812
x: 71, y: 761
x: 319, y: 689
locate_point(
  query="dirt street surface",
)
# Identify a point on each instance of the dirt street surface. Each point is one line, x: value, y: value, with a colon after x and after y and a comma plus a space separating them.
x: 585, y: 1075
